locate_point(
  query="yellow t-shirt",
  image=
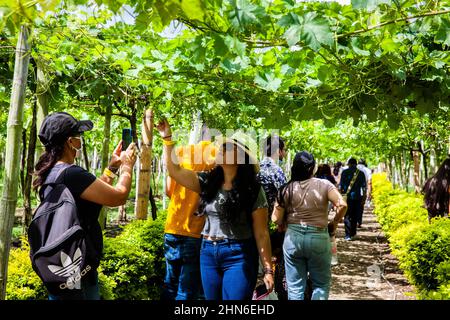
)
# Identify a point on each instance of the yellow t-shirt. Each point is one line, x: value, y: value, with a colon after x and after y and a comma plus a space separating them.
x: 184, y: 202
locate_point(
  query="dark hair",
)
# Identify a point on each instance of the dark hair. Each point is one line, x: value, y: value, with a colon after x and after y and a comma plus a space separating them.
x: 268, y: 145
x: 352, y: 162
x: 362, y: 161
x: 46, y: 162
x: 241, y: 198
x: 336, y: 168
x: 319, y: 171
x: 323, y: 170
x: 302, y: 169
x: 436, y: 191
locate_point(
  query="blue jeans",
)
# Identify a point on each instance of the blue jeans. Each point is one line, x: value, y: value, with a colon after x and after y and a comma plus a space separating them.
x: 307, y: 249
x: 229, y: 269
x: 182, y: 280
x: 88, y: 291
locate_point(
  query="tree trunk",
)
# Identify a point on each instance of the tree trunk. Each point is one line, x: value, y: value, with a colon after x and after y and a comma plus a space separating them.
x: 388, y: 169
x: 399, y: 162
x: 94, y: 160
x: 42, y: 96
x: 143, y: 193
x: 424, y: 177
x: 85, y: 155
x: 395, y: 172
x: 133, y: 120
x: 448, y: 151
x: 406, y: 170
x: 154, y: 208
x: 106, y: 136
x: 433, y: 162
x: 12, y: 161
x: 416, y: 159
x: 105, y: 157
x: 23, y: 160
x: 155, y: 175
x: 28, y: 211
x: 122, y: 214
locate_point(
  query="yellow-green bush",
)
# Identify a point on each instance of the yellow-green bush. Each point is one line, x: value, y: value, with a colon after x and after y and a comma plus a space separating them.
x: 423, y: 249
x: 23, y: 283
x: 132, y: 267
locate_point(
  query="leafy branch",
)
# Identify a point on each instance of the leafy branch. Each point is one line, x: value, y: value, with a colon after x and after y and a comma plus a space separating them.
x: 404, y: 19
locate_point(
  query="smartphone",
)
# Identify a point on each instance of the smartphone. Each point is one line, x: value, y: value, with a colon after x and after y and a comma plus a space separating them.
x: 260, y: 292
x: 127, y: 138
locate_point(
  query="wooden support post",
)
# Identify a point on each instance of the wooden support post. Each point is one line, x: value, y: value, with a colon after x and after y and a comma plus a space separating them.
x: 145, y: 166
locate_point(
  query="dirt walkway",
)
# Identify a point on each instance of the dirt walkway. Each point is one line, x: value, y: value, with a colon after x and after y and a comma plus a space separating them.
x: 366, y: 269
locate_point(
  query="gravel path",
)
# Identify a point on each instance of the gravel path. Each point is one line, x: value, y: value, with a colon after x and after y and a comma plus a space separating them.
x: 367, y: 270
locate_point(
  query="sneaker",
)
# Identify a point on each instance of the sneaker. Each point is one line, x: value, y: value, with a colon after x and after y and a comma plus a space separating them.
x: 359, y: 225
x: 348, y: 238
x: 334, y: 260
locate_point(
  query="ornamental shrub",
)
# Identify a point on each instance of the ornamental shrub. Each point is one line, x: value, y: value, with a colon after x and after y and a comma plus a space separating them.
x: 428, y: 261
x: 132, y: 267
x: 23, y: 283
x: 133, y: 262
x: 422, y: 248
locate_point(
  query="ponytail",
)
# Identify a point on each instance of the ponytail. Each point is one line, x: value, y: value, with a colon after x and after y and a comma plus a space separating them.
x: 45, y: 164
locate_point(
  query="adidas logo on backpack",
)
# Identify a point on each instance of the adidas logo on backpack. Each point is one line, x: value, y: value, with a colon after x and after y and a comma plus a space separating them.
x: 70, y: 268
x: 57, y: 240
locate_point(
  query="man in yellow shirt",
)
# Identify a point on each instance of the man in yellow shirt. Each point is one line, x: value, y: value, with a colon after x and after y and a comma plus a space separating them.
x: 182, y: 234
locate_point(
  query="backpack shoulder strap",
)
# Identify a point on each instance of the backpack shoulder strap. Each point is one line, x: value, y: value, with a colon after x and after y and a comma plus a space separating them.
x: 56, y: 181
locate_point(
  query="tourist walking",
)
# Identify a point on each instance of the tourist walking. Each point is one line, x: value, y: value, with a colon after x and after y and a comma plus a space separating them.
x: 303, y: 205
x: 362, y: 166
x: 337, y: 171
x: 324, y: 172
x: 353, y: 187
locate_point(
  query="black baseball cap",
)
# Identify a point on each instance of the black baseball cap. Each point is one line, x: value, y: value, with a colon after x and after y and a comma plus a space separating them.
x: 59, y: 126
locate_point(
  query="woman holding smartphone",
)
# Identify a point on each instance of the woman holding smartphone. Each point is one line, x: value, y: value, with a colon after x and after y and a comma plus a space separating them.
x: 60, y: 133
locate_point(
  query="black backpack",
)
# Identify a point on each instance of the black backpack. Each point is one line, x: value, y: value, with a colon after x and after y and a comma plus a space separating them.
x: 58, y: 246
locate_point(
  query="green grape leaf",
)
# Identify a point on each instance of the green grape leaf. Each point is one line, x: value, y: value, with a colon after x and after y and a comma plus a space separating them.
x: 235, y: 45
x: 268, y: 81
x: 193, y: 9
x: 314, y: 31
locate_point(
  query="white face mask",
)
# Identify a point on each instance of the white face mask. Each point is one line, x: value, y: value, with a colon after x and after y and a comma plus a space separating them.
x: 78, y: 151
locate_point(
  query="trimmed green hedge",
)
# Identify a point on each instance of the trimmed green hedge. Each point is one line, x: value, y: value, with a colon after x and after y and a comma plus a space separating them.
x: 133, y: 262
x: 422, y: 248
x: 132, y: 267
x: 23, y: 283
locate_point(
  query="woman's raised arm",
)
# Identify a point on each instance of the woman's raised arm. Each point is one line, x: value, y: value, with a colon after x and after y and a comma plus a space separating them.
x: 185, y: 177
